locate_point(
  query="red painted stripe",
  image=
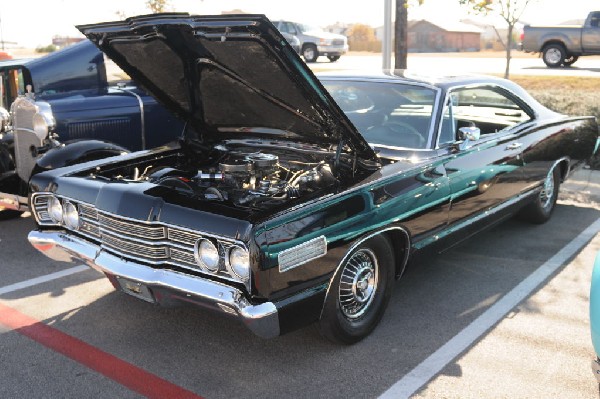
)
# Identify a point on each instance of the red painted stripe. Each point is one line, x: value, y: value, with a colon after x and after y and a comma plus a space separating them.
x: 124, y: 373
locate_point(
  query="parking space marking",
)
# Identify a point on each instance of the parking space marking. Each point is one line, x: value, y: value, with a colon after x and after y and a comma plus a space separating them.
x: 126, y: 374
x: 42, y: 279
x: 420, y: 375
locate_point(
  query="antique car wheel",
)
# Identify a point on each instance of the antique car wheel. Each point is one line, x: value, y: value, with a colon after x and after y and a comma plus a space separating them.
x: 540, y: 210
x: 310, y: 53
x: 570, y: 60
x: 333, y: 58
x: 359, y: 292
x: 554, y: 55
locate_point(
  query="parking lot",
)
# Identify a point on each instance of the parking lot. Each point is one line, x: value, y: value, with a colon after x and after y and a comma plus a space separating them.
x: 64, y: 331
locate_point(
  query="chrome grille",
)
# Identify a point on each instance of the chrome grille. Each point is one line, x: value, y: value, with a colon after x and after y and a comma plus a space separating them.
x: 121, y: 226
x: 132, y: 248
x: 154, y: 243
x: 184, y: 237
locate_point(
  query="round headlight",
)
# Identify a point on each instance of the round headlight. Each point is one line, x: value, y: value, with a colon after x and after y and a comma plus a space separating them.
x: 55, y: 210
x: 71, y: 216
x: 239, y: 263
x: 42, y: 124
x: 207, y: 255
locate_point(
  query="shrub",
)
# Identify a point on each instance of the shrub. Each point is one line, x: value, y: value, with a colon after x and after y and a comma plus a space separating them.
x: 47, y: 49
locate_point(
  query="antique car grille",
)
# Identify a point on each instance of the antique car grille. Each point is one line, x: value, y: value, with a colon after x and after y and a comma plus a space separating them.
x: 149, y: 242
x: 109, y: 129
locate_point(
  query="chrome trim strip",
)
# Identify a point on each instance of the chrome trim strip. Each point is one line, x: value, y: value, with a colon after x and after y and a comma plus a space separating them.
x: 142, y: 115
x: 300, y: 247
x: 360, y: 241
x: 262, y: 319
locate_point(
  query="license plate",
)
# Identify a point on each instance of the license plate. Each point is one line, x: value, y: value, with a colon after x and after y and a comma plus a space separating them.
x: 135, y: 289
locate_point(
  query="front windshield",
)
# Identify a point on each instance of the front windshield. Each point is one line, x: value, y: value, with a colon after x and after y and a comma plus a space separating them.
x: 387, y: 114
x: 114, y: 73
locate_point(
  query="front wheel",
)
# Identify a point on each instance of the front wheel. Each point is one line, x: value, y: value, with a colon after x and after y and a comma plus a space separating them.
x: 310, y: 53
x: 333, y: 58
x: 359, y: 292
x: 554, y: 55
x: 540, y: 210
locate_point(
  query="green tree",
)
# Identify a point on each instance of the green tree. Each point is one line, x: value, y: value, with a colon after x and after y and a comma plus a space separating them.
x: 509, y: 10
x: 401, y: 32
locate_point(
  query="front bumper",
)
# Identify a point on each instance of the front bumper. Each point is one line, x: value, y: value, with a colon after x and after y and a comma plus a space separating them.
x: 262, y: 319
x: 332, y: 50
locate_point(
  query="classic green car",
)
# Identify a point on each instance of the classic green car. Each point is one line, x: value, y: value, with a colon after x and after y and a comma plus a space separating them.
x: 292, y: 199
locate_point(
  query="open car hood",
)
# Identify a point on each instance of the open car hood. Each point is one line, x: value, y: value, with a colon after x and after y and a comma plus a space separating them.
x: 227, y: 76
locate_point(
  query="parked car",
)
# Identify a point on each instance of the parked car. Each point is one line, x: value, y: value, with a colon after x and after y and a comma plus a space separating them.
x: 293, y: 41
x: 595, y: 316
x: 292, y: 200
x: 563, y: 45
x: 61, y: 99
x: 315, y: 42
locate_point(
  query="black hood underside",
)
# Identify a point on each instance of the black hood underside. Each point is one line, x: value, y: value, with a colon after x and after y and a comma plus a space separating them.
x: 227, y: 76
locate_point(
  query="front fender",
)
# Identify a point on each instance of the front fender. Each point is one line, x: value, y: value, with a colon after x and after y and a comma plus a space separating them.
x: 7, y: 151
x: 77, y: 152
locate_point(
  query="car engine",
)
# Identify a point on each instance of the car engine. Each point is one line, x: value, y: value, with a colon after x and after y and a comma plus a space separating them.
x: 253, y: 180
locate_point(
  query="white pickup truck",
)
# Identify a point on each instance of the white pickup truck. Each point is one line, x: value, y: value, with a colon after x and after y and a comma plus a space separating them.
x: 563, y: 45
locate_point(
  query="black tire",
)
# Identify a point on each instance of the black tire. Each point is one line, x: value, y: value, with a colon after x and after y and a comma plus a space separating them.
x: 333, y: 58
x: 540, y: 210
x: 554, y: 55
x: 359, y: 292
x: 310, y: 53
x: 570, y: 60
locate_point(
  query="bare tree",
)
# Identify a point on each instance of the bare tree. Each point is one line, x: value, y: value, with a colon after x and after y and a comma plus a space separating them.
x: 510, y: 10
x: 401, y: 32
x: 158, y: 6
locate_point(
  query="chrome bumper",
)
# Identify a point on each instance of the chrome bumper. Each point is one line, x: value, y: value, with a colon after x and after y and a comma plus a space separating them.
x: 596, y: 369
x: 13, y: 202
x: 261, y: 319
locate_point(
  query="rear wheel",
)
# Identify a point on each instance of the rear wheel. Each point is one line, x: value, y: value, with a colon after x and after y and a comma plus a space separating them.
x: 359, y: 292
x: 540, y: 210
x: 310, y: 53
x: 554, y: 55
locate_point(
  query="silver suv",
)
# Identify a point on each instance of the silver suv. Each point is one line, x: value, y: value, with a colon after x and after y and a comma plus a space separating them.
x: 314, y: 41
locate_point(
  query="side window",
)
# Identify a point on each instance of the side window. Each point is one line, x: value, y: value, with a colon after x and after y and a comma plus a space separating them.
x: 489, y: 109
x: 289, y: 28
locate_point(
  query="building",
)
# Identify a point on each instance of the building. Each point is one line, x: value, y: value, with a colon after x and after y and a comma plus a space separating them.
x: 425, y: 36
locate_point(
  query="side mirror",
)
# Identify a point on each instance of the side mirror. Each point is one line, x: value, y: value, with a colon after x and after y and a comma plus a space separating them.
x: 468, y: 134
x: 471, y: 133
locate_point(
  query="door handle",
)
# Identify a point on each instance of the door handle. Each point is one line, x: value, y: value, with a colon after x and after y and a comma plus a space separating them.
x: 514, y: 146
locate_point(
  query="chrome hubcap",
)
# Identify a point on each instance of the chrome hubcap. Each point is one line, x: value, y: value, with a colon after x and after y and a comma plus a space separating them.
x: 547, y: 193
x: 553, y: 56
x: 358, y: 283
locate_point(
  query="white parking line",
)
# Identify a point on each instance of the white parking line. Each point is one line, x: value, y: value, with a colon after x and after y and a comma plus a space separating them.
x: 42, y: 279
x: 425, y: 371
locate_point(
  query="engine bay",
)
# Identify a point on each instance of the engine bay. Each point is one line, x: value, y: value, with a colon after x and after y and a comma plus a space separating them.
x: 249, y: 178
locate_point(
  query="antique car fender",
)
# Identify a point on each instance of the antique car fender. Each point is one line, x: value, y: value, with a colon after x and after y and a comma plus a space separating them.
x: 77, y: 152
x: 7, y: 144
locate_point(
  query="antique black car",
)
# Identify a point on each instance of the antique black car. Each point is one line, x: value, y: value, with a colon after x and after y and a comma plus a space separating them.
x: 292, y: 200
x: 56, y: 101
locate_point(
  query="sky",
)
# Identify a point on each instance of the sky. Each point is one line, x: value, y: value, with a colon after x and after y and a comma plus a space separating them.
x: 32, y: 23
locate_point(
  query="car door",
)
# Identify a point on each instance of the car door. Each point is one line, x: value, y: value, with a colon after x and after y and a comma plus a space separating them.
x: 484, y: 173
